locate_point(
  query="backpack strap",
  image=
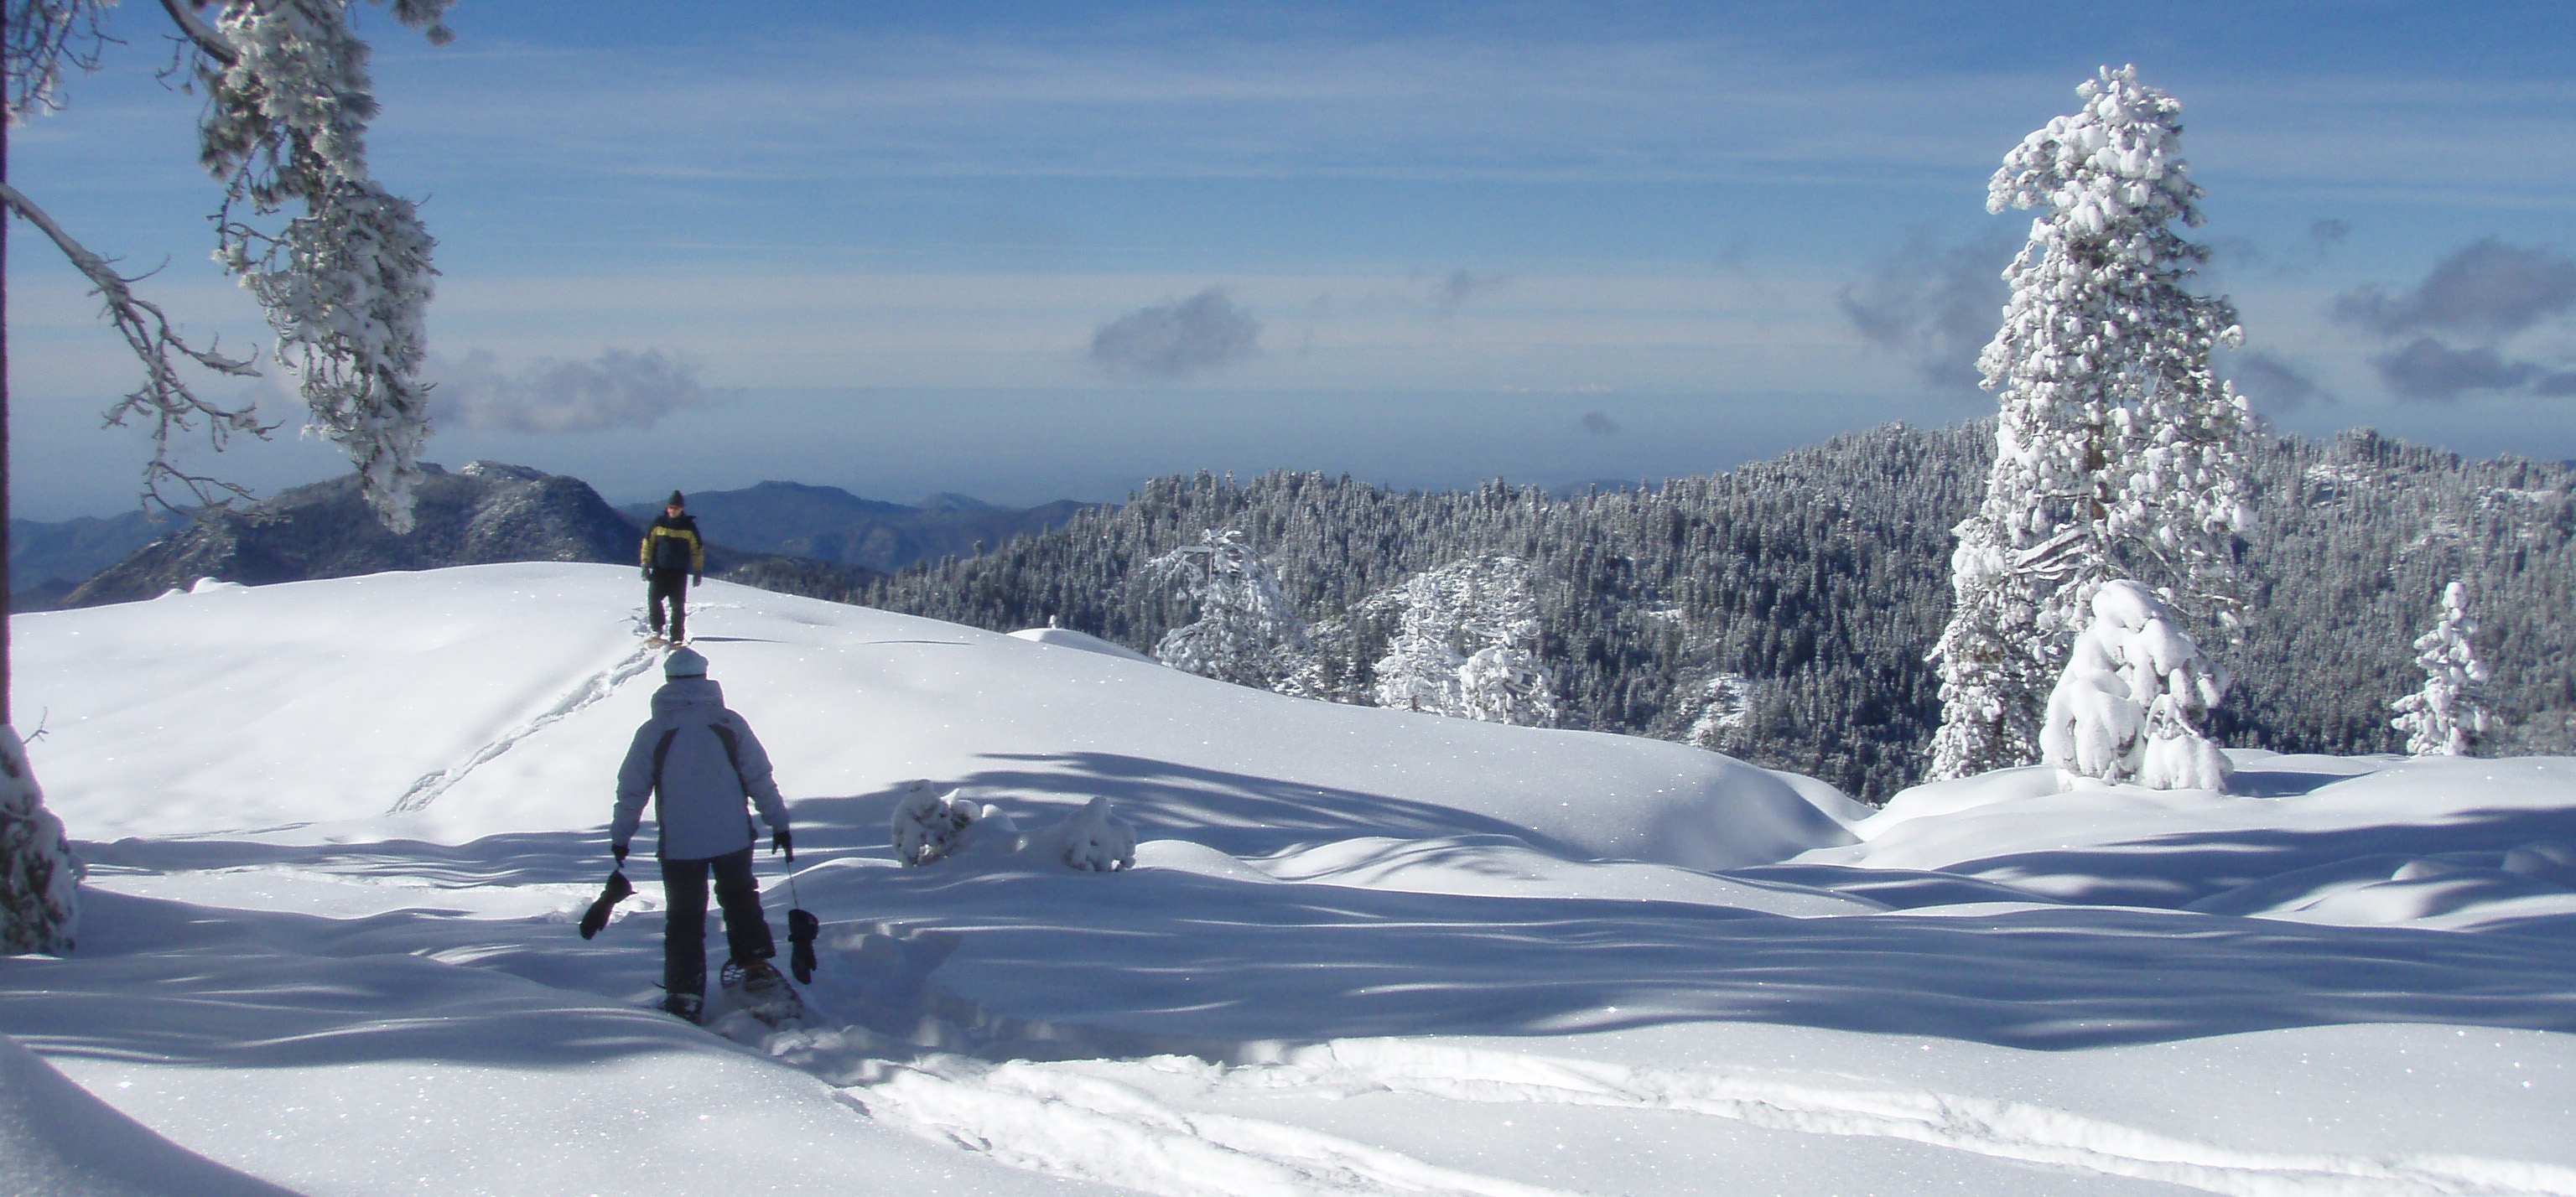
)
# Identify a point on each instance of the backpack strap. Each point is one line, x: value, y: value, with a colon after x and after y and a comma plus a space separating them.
x: 661, y: 752
x: 733, y: 754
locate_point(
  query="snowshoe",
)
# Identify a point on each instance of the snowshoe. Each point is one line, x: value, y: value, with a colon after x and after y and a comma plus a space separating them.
x: 761, y: 991
x: 684, y: 1006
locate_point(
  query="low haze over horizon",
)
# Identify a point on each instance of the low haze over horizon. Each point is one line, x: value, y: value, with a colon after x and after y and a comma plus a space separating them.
x: 1026, y: 252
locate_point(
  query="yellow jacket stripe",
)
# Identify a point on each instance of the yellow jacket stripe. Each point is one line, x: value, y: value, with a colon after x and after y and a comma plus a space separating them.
x: 697, y: 550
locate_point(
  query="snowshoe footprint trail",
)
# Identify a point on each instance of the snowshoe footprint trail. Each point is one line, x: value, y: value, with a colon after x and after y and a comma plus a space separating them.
x: 587, y: 693
x: 1045, y: 1120
x: 1055, y: 1120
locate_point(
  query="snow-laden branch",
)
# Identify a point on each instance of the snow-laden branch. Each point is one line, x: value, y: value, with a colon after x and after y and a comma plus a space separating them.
x: 346, y: 285
x: 203, y: 36
x: 165, y: 396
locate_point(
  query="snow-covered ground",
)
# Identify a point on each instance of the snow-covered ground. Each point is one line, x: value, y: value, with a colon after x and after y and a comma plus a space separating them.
x: 339, y: 833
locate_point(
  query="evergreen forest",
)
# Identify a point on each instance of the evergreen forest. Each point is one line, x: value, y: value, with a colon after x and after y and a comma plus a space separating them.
x: 1782, y: 612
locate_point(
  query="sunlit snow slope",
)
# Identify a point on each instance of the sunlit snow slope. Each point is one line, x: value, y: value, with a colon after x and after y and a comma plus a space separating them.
x: 339, y: 830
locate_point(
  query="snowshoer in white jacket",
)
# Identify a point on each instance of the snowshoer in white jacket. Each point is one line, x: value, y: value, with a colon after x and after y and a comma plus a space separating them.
x: 699, y: 761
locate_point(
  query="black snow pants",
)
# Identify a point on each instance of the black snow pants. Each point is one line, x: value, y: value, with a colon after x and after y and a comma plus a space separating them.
x: 670, y: 585
x: 684, y: 898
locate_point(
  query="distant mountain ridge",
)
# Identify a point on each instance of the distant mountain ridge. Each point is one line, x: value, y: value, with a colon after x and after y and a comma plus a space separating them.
x: 47, y: 559
x: 483, y: 513
x: 826, y: 523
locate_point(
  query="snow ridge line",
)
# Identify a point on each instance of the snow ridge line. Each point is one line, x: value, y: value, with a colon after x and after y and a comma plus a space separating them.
x: 588, y: 692
x: 2002, y: 1129
x: 1064, y: 1124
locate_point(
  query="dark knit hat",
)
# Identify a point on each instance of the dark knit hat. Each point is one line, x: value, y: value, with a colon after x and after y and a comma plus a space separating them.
x: 675, y: 500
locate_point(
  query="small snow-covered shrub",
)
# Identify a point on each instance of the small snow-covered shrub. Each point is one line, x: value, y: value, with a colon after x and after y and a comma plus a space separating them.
x: 2131, y: 701
x: 39, y: 908
x: 1092, y: 839
x: 929, y: 826
x: 2440, y: 719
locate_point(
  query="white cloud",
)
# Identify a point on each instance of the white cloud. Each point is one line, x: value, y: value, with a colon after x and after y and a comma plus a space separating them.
x: 620, y: 389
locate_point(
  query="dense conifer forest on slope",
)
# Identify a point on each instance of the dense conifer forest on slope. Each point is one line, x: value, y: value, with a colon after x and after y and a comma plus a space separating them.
x: 1781, y: 612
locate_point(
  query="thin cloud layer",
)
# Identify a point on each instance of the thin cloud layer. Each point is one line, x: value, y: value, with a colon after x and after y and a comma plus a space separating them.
x: 620, y: 389
x: 1458, y: 286
x: 2484, y: 289
x: 2427, y: 369
x: 1937, y: 304
x: 1177, y: 340
x: 2273, y: 384
x: 2451, y: 334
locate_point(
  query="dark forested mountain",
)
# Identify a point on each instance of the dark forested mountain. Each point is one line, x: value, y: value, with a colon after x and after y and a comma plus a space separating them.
x: 1782, y: 612
x: 485, y: 512
x: 48, y: 558
x: 826, y: 523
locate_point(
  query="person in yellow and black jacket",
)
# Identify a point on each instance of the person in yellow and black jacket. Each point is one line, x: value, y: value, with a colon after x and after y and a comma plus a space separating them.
x: 674, y: 560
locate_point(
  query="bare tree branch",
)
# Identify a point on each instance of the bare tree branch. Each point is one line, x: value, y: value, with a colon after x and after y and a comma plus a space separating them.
x: 165, y: 396
x: 214, y: 45
x: 42, y: 36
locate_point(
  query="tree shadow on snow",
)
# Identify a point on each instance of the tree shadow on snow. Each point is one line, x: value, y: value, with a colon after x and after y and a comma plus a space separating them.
x: 1177, y: 955
x: 2172, y: 871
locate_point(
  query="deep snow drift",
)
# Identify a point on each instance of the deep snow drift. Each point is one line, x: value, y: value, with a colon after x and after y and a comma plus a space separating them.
x: 339, y: 832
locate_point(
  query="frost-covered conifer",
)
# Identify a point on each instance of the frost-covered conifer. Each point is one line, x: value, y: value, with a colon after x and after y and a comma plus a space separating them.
x: 39, y: 902
x: 2440, y: 718
x: 2133, y: 698
x: 1468, y: 646
x: 2118, y: 450
x: 1246, y: 633
x: 346, y: 282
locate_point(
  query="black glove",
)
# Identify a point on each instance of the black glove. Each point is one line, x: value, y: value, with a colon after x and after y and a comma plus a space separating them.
x: 647, y: 571
x: 616, y: 891
x: 783, y: 842
x: 620, y: 850
x: 801, y: 929
x: 697, y: 579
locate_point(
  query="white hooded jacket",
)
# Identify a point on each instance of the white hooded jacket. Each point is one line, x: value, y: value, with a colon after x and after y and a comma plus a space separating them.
x: 704, y: 761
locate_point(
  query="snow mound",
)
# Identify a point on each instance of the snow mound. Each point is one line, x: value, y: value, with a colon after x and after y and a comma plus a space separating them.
x: 455, y: 704
x: 1084, y: 641
x: 1091, y: 840
x: 57, y: 1140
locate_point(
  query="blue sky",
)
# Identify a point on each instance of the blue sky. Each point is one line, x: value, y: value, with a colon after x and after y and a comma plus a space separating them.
x: 905, y: 248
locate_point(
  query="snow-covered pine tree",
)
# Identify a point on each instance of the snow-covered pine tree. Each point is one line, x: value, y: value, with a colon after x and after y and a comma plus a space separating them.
x: 39, y: 901
x: 2118, y: 450
x: 2134, y: 696
x: 1467, y: 645
x: 1246, y: 633
x: 2440, y: 718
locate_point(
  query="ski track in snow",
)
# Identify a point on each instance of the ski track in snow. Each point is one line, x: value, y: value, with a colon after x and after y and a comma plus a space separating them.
x: 588, y: 692
x: 1056, y: 1118
x: 1045, y: 1118
x: 1066, y: 1124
